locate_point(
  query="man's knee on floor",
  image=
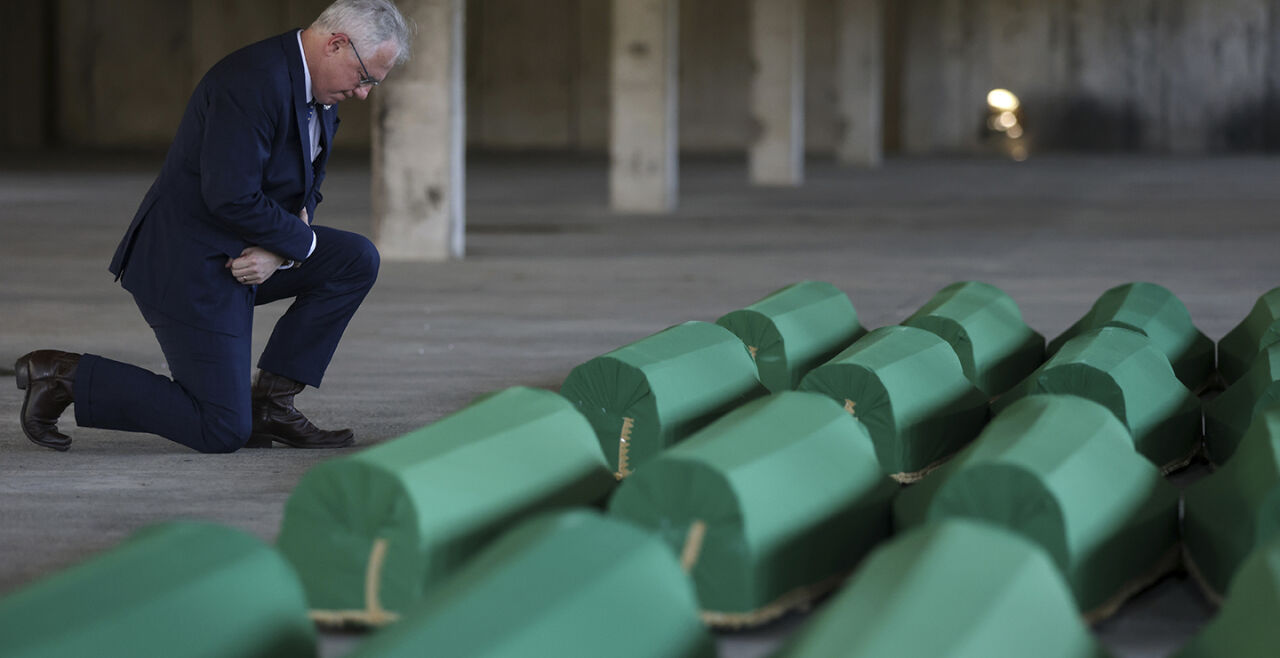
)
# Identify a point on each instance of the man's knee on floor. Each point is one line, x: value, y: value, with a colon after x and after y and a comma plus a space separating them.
x: 224, y: 435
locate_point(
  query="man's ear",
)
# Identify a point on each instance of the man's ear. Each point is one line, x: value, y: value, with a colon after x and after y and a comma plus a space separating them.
x: 335, y: 44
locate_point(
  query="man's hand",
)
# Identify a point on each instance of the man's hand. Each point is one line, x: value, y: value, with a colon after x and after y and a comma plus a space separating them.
x: 306, y: 219
x: 255, y: 265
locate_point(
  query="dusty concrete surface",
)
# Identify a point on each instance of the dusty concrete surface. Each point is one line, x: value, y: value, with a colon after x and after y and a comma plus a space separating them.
x: 553, y: 279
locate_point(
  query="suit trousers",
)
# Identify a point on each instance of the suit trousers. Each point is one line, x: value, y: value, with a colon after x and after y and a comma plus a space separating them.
x: 206, y: 405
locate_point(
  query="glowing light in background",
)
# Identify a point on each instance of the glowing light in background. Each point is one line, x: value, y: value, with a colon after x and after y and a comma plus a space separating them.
x: 1002, y: 100
x: 1004, y: 123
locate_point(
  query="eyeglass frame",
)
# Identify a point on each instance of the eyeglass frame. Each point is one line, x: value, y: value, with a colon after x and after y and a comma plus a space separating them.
x: 366, y: 80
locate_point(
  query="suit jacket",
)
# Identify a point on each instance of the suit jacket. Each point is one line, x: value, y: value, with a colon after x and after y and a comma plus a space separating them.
x: 238, y: 173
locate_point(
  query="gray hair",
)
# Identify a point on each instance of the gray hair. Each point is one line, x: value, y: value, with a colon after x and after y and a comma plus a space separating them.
x: 368, y: 22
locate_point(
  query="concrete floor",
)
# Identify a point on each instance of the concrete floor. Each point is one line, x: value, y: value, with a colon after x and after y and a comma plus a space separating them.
x: 553, y: 279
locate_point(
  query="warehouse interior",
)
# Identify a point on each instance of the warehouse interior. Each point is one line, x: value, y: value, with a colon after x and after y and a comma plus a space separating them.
x: 549, y: 181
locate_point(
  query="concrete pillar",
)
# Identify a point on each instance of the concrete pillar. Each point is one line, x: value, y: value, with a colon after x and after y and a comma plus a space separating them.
x: 859, y: 81
x: 643, y: 148
x: 418, y: 140
x: 777, y: 92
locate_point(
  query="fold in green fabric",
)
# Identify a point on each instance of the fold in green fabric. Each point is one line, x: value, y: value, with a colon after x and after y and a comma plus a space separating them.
x: 373, y: 533
x: 985, y: 328
x: 1257, y: 331
x: 1121, y: 370
x: 569, y: 584
x: 644, y: 397
x: 909, y: 389
x: 1237, y: 508
x: 1227, y: 416
x: 794, y: 330
x: 1156, y: 313
x: 955, y: 588
x: 1246, y: 625
x: 176, y: 589
x: 1061, y: 471
x: 770, y: 504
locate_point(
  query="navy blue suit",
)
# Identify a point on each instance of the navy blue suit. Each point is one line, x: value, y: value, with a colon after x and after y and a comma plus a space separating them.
x: 237, y: 175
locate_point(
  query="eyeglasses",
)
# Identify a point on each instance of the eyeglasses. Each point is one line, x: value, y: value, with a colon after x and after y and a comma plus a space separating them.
x: 366, y: 80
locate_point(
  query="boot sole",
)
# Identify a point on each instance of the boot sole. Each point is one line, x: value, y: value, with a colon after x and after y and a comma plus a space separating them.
x: 22, y: 370
x: 265, y: 441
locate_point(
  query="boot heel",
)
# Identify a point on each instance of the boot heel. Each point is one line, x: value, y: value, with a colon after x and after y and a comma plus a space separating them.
x: 259, y: 441
x: 22, y: 369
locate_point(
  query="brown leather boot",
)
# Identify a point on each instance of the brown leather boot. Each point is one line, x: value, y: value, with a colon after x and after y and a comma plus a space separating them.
x: 276, y: 419
x: 48, y: 377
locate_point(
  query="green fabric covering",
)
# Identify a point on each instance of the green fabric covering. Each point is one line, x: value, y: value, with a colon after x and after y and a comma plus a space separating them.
x: 790, y: 495
x: 1246, y: 625
x: 1061, y: 471
x: 794, y: 330
x: 643, y: 397
x: 1121, y: 370
x: 953, y: 589
x: 176, y: 589
x: 985, y: 327
x: 433, y: 497
x: 570, y: 584
x: 908, y: 387
x: 1238, y: 507
x: 1227, y: 416
x: 1156, y: 313
x: 1258, y: 330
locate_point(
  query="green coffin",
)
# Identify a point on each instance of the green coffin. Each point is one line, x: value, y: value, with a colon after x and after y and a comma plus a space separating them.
x: 1156, y: 313
x: 953, y: 589
x: 794, y: 330
x: 643, y: 397
x: 572, y: 584
x: 770, y: 505
x: 909, y: 389
x: 1061, y: 471
x: 1258, y: 330
x: 1121, y: 370
x: 985, y: 328
x: 1246, y: 625
x: 1227, y: 416
x: 1237, y: 508
x: 373, y: 533
x: 178, y: 589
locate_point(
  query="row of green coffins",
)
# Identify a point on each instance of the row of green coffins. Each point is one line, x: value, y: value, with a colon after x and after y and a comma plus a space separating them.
x: 577, y: 584
x: 375, y: 534
x: 921, y: 388
x: 766, y: 508
x: 718, y: 465
x: 786, y: 475
x: 1102, y: 519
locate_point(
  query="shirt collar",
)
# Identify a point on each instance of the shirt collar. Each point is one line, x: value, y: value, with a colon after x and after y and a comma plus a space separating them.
x: 306, y: 72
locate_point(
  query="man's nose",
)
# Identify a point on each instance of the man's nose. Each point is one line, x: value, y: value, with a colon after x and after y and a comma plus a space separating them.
x: 363, y: 92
